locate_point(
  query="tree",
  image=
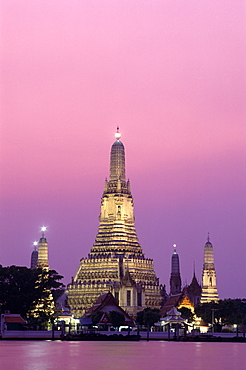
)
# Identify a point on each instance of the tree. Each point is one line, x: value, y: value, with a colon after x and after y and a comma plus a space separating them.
x: 226, y: 312
x: 21, y: 288
x: 96, y: 317
x: 43, y: 310
x: 232, y: 311
x: 116, y: 318
x: 148, y: 316
x: 187, y: 314
x: 205, y: 312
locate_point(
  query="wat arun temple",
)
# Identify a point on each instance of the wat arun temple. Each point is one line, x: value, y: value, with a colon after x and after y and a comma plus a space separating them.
x: 116, y: 262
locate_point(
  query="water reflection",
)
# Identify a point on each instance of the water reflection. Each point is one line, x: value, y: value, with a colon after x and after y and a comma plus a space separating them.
x: 48, y: 355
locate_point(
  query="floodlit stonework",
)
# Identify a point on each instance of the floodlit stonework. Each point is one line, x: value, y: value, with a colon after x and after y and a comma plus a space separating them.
x: 43, y: 258
x: 116, y: 262
x: 209, y: 288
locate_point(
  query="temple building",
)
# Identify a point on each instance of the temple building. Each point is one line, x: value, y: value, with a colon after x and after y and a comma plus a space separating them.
x: 34, y: 256
x: 116, y: 262
x: 175, y: 279
x: 194, y: 291
x: 188, y: 297
x: 43, y: 259
x: 209, y: 288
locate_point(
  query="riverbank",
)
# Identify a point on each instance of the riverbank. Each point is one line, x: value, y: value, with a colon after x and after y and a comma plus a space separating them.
x: 120, y: 336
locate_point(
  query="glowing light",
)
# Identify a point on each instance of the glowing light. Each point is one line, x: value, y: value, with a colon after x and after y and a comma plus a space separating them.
x: 174, y: 246
x: 35, y: 243
x: 43, y: 229
x: 117, y: 134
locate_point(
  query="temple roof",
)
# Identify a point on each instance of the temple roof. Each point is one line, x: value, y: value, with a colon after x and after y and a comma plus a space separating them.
x: 172, y: 301
x: 106, y: 303
x: 194, y: 288
x: 173, y: 316
x: 13, y: 318
x: 127, y: 280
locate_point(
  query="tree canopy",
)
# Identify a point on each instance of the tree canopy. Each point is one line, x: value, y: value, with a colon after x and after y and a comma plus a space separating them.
x: 96, y: 317
x: 187, y: 314
x: 116, y: 318
x: 148, y: 316
x: 22, y: 288
x: 226, y: 312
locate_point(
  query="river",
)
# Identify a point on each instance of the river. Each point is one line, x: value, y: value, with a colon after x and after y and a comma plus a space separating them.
x: 153, y: 355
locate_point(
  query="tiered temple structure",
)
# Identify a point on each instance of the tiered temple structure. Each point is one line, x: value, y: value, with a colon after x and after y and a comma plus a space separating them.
x: 43, y: 259
x: 209, y: 288
x: 116, y: 262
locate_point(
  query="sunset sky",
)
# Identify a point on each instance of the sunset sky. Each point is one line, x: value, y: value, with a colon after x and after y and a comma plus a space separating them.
x: 172, y: 75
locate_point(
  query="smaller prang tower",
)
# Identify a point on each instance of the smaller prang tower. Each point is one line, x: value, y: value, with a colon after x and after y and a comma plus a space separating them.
x: 43, y: 259
x: 175, y: 279
x: 209, y: 288
x: 34, y: 256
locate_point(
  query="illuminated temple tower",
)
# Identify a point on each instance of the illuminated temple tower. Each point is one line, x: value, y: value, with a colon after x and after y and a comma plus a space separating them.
x: 43, y: 260
x: 46, y: 303
x: 209, y: 289
x: 116, y: 262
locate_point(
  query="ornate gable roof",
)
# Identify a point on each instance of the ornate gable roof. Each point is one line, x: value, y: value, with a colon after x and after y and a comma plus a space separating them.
x: 106, y: 303
x: 127, y: 280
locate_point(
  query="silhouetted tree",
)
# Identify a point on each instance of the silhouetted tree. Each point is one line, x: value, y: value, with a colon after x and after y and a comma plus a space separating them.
x: 148, y: 316
x: 21, y: 288
x: 96, y: 317
x: 116, y: 318
x: 227, y: 311
x: 205, y: 312
x: 187, y: 314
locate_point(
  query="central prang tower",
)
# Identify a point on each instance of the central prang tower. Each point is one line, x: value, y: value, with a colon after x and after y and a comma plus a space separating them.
x: 116, y: 262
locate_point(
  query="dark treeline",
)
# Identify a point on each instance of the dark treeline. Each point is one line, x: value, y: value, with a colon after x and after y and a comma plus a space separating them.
x: 22, y: 290
x: 225, y: 312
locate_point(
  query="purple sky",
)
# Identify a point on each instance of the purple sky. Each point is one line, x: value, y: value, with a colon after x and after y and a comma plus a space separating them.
x: 171, y: 74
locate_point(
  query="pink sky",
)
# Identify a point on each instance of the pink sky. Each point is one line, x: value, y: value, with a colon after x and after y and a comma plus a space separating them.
x: 171, y: 74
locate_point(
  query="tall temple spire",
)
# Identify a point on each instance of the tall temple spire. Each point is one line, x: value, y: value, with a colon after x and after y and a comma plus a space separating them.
x: 175, y: 279
x: 34, y: 256
x: 209, y: 288
x: 116, y: 261
x: 117, y: 159
x: 117, y: 209
x: 43, y: 260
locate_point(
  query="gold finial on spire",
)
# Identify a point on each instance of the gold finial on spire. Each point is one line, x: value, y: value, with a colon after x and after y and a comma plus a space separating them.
x: 208, y: 237
x: 117, y: 134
